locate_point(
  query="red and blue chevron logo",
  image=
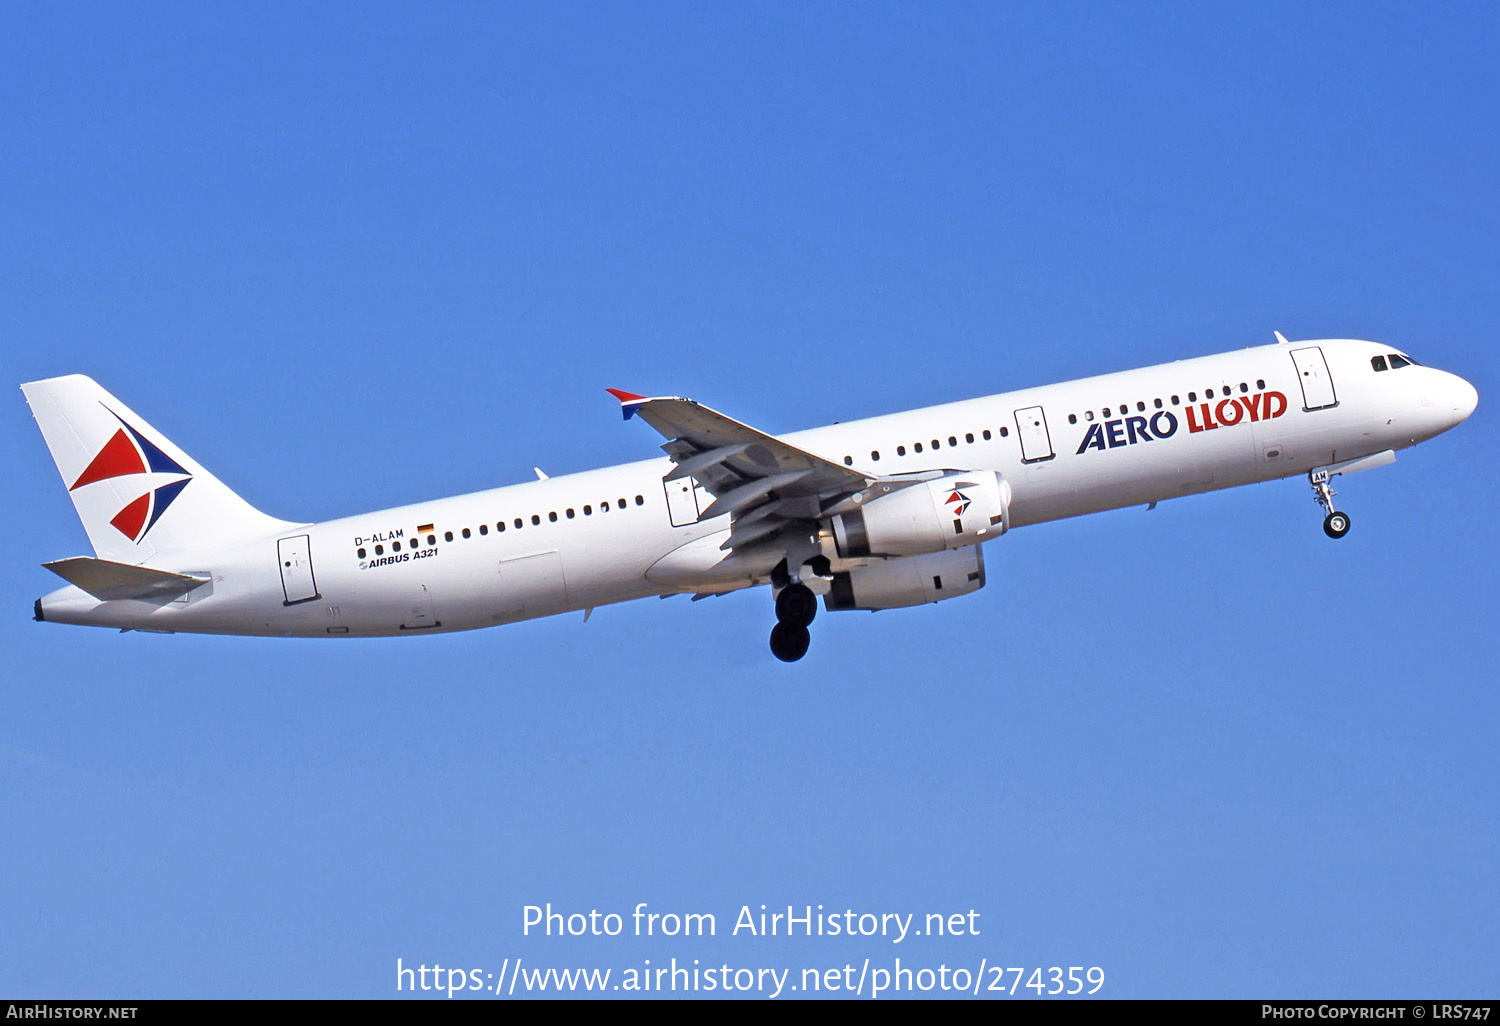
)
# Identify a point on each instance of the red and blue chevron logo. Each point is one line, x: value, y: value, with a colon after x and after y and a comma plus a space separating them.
x: 128, y: 452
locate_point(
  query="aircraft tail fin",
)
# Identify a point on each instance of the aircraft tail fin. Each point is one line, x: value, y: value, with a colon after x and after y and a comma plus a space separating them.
x: 136, y: 493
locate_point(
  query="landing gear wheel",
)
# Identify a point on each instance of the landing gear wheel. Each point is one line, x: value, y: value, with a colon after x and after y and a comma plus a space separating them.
x: 1336, y: 524
x: 796, y: 605
x: 789, y: 642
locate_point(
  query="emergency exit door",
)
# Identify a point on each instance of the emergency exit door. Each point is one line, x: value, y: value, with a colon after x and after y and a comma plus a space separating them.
x: 295, y: 556
x: 683, y: 501
x: 1036, y: 441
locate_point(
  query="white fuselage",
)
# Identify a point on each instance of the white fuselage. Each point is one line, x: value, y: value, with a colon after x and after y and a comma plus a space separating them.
x: 610, y: 535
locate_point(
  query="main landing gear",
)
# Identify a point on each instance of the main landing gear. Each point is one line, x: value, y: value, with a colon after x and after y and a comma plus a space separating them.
x: 796, y: 606
x: 1335, y: 524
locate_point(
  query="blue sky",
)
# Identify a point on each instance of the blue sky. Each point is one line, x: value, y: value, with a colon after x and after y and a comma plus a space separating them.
x: 355, y: 257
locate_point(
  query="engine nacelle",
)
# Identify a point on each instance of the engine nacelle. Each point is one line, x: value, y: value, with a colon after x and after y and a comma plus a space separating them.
x: 908, y: 581
x: 948, y: 512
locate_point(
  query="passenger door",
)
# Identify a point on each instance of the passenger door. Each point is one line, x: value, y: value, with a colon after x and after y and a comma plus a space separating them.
x: 294, y: 555
x: 1317, y: 383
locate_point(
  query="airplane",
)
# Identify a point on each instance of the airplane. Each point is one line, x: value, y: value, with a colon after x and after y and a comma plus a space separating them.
x: 874, y: 514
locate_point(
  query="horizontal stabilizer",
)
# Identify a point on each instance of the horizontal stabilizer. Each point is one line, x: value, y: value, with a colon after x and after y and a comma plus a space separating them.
x: 105, y: 579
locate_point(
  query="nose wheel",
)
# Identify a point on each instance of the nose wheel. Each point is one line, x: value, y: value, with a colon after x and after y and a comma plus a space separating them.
x: 1336, y: 523
x: 796, y: 606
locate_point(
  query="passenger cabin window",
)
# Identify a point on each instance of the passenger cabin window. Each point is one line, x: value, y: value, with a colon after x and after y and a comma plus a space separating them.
x: 1378, y: 362
x: 447, y: 536
x: 986, y: 434
x: 900, y: 450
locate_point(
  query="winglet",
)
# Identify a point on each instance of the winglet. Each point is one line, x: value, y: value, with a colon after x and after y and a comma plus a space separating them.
x: 628, y: 401
x: 1281, y: 339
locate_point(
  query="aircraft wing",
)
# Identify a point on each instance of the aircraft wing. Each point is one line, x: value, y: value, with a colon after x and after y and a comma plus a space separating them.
x: 759, y: 479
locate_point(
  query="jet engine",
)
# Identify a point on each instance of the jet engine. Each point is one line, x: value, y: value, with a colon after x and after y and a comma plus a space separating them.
x: 908, y: 581
x: 947, y: 512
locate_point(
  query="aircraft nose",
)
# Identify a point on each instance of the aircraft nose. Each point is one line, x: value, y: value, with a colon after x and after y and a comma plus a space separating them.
x: 1465, y: 399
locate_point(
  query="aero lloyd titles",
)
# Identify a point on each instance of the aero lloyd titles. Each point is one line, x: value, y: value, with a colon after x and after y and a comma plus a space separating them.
x: 1111, y: 434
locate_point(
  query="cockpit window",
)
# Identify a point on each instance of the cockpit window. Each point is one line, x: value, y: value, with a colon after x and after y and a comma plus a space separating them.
x: 1397, y: 360
x: 1378, y: 362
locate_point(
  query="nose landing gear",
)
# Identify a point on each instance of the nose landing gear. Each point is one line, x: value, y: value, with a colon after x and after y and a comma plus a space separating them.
x: 796, y: 606
x: 1336, y: 523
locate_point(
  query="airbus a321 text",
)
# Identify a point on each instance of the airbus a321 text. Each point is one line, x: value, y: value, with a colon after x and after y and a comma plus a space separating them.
x: 873, y: 514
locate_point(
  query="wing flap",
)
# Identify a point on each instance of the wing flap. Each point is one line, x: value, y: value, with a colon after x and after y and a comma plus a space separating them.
x: 749, y: 494
x: 702, y: 461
